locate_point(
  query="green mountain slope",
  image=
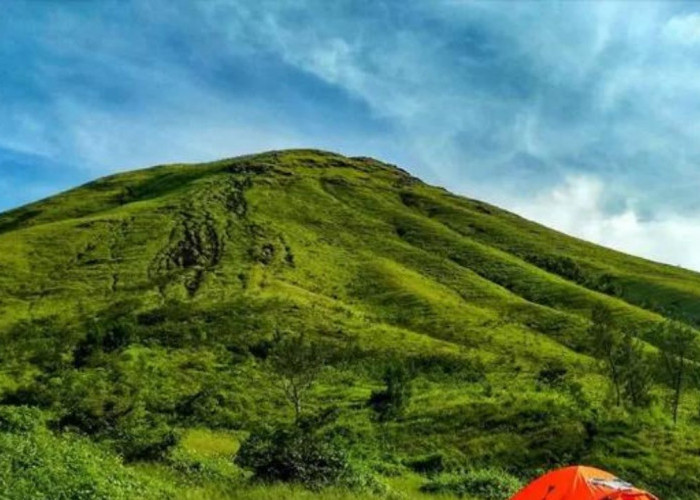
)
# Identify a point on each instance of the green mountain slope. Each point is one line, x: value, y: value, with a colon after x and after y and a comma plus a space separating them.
x: 201, y: 264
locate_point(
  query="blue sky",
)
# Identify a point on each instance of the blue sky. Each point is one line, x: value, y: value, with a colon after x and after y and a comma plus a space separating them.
x: 582, y: 115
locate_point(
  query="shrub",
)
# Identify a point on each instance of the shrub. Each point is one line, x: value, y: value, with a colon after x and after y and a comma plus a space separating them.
x: 449, y: 366
x: 553, y: 374
x: 428, y: 464
x: 104, y: 336
x: 44, y: 343
x: 20, y: 419
x: 486, y: 484
x: 34, y: 463
x: 210, y: 406
x: 559, y: 264
x: 293, y: 455
x: 143, y: 436
x: 134, y: 432
x: 392, y: 401
x: 302, y: 453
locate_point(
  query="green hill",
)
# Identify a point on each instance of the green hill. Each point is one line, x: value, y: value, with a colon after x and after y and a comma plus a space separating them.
x: 138, y: 313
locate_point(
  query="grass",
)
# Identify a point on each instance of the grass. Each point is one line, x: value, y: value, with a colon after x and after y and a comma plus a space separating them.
x: 210, y: 444
x: 196, y: 266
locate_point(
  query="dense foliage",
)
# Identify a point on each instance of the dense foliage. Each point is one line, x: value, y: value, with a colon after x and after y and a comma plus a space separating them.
x: 309, y: 452
x: 392, y: 401
x: 36, y: 464
x: 488, y: 484
x: 189, y: 331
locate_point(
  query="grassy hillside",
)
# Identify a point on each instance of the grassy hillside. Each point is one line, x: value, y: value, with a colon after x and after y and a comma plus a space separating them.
x: 138, y: 313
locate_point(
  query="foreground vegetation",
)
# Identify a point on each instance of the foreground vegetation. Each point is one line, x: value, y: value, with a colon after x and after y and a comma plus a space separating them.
x: 299, y: 324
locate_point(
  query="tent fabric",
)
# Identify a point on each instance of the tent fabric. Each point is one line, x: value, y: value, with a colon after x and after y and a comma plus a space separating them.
x: 581, y: 483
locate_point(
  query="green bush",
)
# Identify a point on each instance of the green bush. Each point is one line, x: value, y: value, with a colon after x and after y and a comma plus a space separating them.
x: 552, y: 374
x: 392, y: 401
x: 140, y: 435
x: 107, y: 409
x: 446, y: 367
x: 20, y: 419
x: 210, y: 406
x: 34, y: 463
x: 428, y: 464
x: 486, y: 484
x: 293, y: 455
x: 302, y: 453
x: 104, y: 337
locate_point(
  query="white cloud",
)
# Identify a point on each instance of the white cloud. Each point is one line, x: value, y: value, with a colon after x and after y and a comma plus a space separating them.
x: 104, y: 140
x: 683, y: 29
x: 510, y: 96
x: 576, y: 207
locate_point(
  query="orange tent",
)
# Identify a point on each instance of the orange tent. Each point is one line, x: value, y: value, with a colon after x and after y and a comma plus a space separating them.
x: 580, y: 483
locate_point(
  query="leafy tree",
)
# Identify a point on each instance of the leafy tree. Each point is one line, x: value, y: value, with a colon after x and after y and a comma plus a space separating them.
x: 677, y: 349
x: 636, y: 372
x: 607, y: 347
x: 622, y: 357
x: 296, y: 363
x: 392, y: 401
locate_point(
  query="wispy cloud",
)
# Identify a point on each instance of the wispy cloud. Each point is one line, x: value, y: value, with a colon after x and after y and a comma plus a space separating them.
x: 499, y: 100
x: 149, y: 83
x: 684, y: 29
x: 578, y: 207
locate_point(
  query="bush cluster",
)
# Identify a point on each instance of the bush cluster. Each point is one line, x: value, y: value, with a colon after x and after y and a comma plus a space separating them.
x: 307, y: 452
x: 35, y: 463
x: 486, y: 484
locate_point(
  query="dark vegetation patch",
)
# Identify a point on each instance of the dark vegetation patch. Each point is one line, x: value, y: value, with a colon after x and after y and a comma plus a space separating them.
x: 166, y: 181
x: 312, y: 452
x: 17, y: 219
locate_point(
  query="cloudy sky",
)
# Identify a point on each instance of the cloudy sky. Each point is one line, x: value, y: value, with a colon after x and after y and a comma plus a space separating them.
x: 582, y: 115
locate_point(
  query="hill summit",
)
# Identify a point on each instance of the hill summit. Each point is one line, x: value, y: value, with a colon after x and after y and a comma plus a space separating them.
x: 159, y: 293
x: 320, y: 222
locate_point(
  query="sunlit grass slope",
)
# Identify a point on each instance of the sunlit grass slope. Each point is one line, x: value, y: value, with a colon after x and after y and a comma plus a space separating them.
x: 359, y: 252
x: 341, y: 228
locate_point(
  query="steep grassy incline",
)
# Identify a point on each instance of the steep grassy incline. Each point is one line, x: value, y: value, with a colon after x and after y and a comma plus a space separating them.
x: 354, y: 231
x: 199, y: 265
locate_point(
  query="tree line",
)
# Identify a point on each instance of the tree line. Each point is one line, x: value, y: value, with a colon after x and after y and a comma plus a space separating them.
x: 632, y: 367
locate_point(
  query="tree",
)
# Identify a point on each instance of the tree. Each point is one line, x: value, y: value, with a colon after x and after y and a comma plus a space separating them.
x: 623, y: 359
x: 677, y: 349
x: 636, y: 372
x: 296, y: 364
x: 392, y: 401
x: 607, y: 346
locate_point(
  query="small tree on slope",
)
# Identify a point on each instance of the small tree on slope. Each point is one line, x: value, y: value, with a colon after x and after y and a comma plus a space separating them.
x: 296, y: 364
x: 622, y: 357
x: 678, y: 349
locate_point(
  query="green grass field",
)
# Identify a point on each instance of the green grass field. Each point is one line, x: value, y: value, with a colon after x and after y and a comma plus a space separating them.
x: 136, y: 310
